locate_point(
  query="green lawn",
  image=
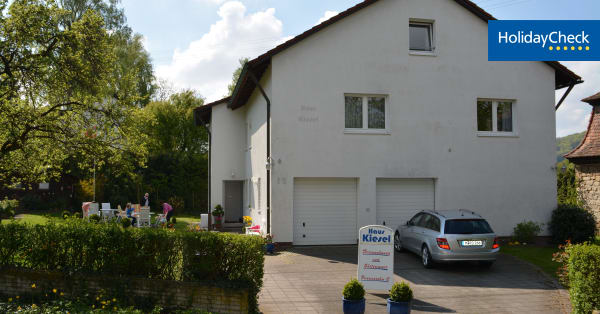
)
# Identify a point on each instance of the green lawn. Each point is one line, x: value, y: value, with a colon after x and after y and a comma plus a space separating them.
x: 539, y: 256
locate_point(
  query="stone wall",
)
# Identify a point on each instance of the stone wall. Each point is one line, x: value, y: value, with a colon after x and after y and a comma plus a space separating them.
x: 588, y: 187
x: 127, y: 291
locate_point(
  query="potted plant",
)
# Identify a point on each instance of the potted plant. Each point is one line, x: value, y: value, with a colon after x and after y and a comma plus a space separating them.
x: 400, y: 299
x: 218, y: 214
x: 354, y: 297
x: 269, y: 246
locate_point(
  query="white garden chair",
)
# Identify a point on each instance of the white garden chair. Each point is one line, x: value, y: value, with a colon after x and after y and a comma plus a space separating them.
x: 92, y: 210
x: 107, y: 212
x: 143, y: 217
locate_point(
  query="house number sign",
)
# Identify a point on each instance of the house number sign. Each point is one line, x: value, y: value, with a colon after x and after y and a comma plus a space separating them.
x: 376, y: 257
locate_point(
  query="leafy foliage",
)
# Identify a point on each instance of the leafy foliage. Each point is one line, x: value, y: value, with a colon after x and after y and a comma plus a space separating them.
x: 79, y: 247
x: 572, y: 223
x: 33, y: 202
x: 236, y: 76
x: 526, y: 231
x: 354, y: 290
x: 401, y: 292
x: 8, y: 208
x: 58, y: 94
x: 566, y: 183
x: 584, y: 277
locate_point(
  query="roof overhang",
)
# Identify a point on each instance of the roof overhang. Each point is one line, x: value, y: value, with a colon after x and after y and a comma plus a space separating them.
x: 203, y: 114
x: 245, y: 86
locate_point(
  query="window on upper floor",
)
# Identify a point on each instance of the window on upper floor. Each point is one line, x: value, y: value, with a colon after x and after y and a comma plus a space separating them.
x: 495, y: 117
x: 421, y: 37
x: 365, y: 113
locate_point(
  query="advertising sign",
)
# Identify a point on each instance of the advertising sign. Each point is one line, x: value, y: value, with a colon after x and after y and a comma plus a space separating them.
x: 376, y: 257
x: 520, y: 40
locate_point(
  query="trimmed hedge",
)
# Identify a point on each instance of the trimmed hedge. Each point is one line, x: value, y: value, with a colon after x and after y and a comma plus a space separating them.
x: 80, y: 247
x: 584, y: 277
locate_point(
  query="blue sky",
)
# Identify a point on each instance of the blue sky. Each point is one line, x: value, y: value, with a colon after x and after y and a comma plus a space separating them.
x: 195, y: 43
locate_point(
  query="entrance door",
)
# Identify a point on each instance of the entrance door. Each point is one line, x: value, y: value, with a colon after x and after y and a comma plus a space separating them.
x: 233, y: 201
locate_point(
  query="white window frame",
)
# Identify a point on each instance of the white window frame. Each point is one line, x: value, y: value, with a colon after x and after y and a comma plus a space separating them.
x: 432, y: 37
x: 365, y: 115
x: 495, y: 131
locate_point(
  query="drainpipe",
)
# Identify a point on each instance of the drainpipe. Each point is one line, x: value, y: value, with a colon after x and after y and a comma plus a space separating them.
x: 209, y: 171
x: 262, y: 91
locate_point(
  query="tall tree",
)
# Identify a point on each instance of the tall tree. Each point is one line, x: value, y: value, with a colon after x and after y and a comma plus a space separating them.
x: 236, y: 75
x: 55, y: 78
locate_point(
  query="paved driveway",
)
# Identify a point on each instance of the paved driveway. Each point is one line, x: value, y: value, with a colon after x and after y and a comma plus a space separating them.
x: 311, y: 279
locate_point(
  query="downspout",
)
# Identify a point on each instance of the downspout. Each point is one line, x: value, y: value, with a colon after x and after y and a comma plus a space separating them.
x: 262, y: 91
x: 209, y: 172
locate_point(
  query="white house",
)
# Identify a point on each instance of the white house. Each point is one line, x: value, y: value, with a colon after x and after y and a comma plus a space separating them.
x: 387, y: 108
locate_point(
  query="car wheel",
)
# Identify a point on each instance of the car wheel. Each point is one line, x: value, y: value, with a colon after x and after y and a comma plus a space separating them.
x: 397, y: 243
x: 486, y: 264
x: 426, y: 257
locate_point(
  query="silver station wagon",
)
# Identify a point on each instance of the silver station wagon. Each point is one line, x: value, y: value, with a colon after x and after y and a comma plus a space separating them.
x: 448, y: 235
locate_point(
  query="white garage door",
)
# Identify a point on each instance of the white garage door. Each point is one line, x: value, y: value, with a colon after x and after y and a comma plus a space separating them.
x: 324, y: 211
x: 399, y: 199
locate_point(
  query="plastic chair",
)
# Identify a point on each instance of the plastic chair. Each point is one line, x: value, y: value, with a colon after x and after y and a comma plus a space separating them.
x: 143, y: 217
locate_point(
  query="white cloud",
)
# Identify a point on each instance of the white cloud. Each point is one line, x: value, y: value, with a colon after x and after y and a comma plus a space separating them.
x: 573, y: 115
x: 207, y: 64
x: 327, y: 16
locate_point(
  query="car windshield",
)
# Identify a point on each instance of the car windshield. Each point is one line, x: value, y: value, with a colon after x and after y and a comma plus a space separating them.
x: 467, y: 226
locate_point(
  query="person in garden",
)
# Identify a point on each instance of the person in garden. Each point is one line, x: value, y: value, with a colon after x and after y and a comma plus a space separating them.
x: 146, y: 200
x: 167, y: 211
x: 129, y: 212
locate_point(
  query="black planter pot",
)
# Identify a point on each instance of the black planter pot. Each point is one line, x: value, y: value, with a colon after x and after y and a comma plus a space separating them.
x: 353, y: 306
x: 398, y: 307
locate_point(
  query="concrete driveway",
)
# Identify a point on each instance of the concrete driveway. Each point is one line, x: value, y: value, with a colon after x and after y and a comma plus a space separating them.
x: 311, y: 279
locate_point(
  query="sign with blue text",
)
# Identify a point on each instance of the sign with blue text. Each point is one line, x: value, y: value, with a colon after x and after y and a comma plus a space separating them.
x: 376, y: 257
x: 519, y: 40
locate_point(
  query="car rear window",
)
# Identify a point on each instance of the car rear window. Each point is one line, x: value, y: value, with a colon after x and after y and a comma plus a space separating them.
x: 467, y: 226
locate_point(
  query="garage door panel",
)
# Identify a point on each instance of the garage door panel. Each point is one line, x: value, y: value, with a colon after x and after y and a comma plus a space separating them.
x: 399, y: 199
x: 324, y: 211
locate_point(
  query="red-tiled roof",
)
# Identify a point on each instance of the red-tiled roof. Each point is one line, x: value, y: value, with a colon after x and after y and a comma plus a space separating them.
x: 245, y: 86
x: 590, y: 145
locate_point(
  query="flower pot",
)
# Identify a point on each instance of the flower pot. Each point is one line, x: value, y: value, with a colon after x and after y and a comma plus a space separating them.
x: 353, y: 306
x: 270, y: 247
x: 398, y: 307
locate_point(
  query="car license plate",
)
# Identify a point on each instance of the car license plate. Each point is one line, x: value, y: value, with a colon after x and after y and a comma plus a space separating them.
x: 471, y: 243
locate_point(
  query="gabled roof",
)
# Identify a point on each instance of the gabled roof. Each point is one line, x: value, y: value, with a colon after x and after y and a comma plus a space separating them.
x: 245, y: 86
x: 589, y: 148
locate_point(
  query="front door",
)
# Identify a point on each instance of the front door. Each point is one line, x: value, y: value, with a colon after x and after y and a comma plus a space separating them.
x: 233, y: 201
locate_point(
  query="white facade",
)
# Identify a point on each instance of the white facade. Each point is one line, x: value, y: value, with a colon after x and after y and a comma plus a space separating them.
x: 431, y: 116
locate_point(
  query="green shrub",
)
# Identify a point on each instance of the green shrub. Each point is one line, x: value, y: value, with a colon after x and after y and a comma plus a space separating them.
x: 174, y: 220
x: 354, y: 290
x: 401, y: 292
x: 572, y: 223
x: 218, y: 211
x: 526, y: 231
x: 77, y: 215
x: 8, y: 208
x: 58, y: 203
x: 66, y: 214
x: 33, y: 202
x: 584, y: 277
x: 79, y: 247
x: 94, y: 218
x: 126, y: 222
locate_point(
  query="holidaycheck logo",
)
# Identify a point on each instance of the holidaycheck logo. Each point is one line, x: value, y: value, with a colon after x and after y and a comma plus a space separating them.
x: 544, y: 40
